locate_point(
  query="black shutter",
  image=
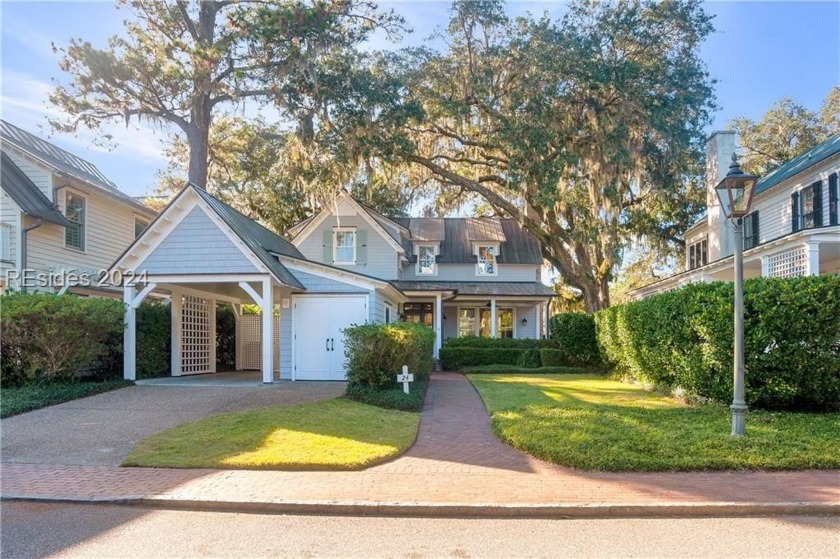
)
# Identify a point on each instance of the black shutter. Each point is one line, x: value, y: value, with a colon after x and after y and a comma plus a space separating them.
x: 832, y: 199
x: 818, y: 213
x: 755, y: 228
x: 794, y: 212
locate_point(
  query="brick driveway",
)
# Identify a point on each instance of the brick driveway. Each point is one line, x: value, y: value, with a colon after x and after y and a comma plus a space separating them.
x: 456, y: 461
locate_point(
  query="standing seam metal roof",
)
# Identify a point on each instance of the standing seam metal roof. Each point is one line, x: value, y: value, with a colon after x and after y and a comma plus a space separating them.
x: 62, y: 160
x: 799, y: 163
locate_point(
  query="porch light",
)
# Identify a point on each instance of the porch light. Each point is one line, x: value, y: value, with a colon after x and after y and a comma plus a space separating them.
x: 524, y: 322
x: 736, y: 192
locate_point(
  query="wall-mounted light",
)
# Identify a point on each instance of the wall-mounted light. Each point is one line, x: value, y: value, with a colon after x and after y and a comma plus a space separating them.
x: 524, y: 322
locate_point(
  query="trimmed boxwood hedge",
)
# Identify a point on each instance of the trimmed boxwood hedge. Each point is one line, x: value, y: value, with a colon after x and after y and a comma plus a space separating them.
x: 683, y: 339
x: 377, y: 352
x: 522, y: 353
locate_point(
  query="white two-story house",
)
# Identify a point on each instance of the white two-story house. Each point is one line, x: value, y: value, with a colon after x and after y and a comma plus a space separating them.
x: 62, y: 222
x: 792, y: 229
x: 346, y: 265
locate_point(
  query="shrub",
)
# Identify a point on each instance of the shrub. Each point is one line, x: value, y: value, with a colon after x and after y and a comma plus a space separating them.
x: 498, y: 343
x: 553, y: 358
x: 154, y: 339
x: 574, y: 333
x: 55, y: 337
x: 454, y: 358
x: 377, y: 352
x: 497, y: 369
x: 391, y: 398
x: 225, y: 338
x: 529, y: 358
x: 684, y: 339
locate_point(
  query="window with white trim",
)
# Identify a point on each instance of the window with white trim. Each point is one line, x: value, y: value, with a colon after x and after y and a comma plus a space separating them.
x: 807, y: 207
x: 344, y: 246
x: 74, y: 235
x: 478, y: 321
x: 486, y: 265
x: 698, y: 254
x: 426, y: 260
x: 5, y: 242
x: 140, y: 225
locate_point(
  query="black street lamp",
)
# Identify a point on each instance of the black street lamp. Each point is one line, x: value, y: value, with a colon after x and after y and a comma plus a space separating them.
x: 735, y: 192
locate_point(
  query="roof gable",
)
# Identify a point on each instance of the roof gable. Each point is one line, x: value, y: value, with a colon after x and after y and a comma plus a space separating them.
x: 26, y: 193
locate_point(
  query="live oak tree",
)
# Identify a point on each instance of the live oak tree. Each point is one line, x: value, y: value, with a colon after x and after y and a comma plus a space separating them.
x: 786, y: 130
x: 588, y: 130
x: 271, y: 174
x: 180, y: 62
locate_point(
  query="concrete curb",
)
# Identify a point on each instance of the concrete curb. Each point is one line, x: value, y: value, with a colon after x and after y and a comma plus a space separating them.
x: 456, y: 510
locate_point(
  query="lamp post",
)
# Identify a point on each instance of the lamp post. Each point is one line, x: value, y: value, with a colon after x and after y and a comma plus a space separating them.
x: 735, y: 192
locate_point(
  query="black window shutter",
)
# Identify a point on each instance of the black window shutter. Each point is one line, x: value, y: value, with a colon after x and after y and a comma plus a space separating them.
x: 818, y: 217
x: 832, y: 199
x: 794, y: 212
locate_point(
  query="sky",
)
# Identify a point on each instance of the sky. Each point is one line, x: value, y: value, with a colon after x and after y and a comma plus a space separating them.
x: 761, y: 52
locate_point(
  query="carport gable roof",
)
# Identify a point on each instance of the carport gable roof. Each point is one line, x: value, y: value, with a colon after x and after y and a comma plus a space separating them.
x: 260, y: 241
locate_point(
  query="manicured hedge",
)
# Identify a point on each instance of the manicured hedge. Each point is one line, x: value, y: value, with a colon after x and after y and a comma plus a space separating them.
x: 377, y: 352
x: 498, y: 343
x: 454, y: 358
x: 684, y: 339
x: 391, y: 398
x: 574, y: 333
x: 49, y: 337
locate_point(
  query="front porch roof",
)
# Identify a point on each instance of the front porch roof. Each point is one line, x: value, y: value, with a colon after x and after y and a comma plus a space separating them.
x: 475, y: 288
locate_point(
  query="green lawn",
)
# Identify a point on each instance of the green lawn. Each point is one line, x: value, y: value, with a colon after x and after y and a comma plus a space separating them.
x: 15, y: 400
x: 592, y: 423
x: 331, y: 435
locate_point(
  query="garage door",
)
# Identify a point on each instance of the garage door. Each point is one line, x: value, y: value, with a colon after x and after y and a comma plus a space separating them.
x: 318, y: 340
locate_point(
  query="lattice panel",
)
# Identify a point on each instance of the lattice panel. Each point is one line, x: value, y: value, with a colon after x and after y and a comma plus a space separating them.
x: 196, y: 338
x: 251, y: 343
x: 789, y: 264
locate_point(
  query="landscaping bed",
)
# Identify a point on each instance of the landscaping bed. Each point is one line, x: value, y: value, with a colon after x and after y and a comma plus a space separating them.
x: 589, y: 422
x: 20, y: 399
x: 336, y: 434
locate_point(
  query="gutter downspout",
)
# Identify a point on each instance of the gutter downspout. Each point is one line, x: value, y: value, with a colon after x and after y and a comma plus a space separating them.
x: 38, y: 222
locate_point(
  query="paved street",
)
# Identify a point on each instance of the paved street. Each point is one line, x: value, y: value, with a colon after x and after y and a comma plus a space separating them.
x: 57, y: 530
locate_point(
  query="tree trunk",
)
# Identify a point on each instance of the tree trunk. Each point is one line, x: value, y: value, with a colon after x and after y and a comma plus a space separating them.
x: 199, y: 140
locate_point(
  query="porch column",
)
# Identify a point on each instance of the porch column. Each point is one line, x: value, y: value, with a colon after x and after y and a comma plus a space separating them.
x: 493, y: 326
x: 438, y: 325
x: 812, y: 251
x: 176, y: 307
x: 267, y: 331
x: 130, y: 334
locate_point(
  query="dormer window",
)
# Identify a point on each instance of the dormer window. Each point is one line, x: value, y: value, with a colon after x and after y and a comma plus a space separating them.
x: 486, y: 265
x: 344, y: 245
x: 426, y: 260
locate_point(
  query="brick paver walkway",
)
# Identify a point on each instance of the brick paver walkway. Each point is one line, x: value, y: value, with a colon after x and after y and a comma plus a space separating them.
x: 456, y: 460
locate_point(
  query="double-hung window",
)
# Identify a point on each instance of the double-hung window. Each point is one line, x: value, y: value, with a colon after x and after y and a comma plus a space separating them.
x: 806, y: 207
x: 751, y: 230
x: 698, y: 254
x: 74, y: 235
x: 5, y: 242
x: 426, y: 260
x: 486, y: 265
x: 344, y: 246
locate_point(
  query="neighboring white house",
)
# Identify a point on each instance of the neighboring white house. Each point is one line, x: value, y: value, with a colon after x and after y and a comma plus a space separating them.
x: 62, y: 222
x: 792, y: 229
x: 346, y: 265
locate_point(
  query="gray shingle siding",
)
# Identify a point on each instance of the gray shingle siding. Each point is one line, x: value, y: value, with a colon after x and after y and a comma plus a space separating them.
x: 196, y: 245
x: 318, y: 284
x: 381, y: 260
x: 466, y: 272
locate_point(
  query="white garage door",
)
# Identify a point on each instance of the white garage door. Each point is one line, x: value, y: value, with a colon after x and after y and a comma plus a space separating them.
x: 317, y: 337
